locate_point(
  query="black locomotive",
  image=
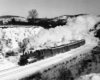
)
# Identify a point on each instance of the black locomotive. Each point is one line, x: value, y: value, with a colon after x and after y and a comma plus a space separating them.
x: 44, y: 53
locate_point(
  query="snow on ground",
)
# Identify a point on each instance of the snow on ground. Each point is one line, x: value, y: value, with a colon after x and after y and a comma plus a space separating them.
x: 45, y: 63
x: 5, y: 64
x: 18, y: 39
x: 9, y: 39
x: 92, y: 76
x: 76, y: 29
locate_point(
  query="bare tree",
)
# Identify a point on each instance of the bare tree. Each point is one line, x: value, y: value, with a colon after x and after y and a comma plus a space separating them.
x: 33, y: 14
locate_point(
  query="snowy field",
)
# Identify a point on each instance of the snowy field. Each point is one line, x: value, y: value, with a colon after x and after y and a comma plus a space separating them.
x: 9, y: 39
x: 15, y: 40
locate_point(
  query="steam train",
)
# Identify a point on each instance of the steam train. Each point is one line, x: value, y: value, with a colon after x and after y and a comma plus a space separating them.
x: 44, y: 53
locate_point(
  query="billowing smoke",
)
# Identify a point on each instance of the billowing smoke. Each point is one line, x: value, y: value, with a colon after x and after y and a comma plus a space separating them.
x: 77, y: 28
x: 11, y: 39
x: 81, y: 27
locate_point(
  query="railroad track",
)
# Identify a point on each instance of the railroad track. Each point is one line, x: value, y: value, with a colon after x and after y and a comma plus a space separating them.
x: 19, y: 72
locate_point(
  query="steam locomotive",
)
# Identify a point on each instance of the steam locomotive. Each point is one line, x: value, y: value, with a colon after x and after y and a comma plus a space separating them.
x: 44, y: 53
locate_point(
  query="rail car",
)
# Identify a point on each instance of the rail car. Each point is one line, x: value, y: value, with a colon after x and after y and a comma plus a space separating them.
x: 44, y: 53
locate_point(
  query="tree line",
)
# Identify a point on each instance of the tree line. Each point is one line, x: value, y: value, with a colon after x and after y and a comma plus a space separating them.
x: 33, y: 19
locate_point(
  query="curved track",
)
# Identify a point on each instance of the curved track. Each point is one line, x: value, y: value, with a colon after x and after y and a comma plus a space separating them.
x: 20, y: 72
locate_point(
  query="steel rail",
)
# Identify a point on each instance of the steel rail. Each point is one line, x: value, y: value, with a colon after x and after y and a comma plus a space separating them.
x: 20, y: 72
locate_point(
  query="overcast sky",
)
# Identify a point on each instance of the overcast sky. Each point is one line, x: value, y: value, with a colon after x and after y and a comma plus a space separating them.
x: 49, y: 8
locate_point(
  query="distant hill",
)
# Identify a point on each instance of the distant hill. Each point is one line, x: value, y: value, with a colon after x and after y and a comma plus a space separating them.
x: 44, y: 22
x: 10, y: 16
x: 12, y: 20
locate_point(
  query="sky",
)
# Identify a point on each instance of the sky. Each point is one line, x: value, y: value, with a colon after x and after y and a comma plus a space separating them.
x: 49, y: 8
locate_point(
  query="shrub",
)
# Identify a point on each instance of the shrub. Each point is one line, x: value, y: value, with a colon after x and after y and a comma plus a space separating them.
x: 64, y: 74
x: 36, y: 76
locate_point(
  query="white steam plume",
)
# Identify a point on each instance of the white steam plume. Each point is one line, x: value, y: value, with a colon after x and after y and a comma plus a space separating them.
x: 76, y: 29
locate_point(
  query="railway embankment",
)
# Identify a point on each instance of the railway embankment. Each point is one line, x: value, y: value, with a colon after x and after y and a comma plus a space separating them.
x: 81, y: 63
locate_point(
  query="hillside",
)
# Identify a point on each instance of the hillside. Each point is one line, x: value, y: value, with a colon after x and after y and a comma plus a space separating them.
x: 43, y: 22
x: 20, y: 40
x: 10, y: 16
x: 11, y: 19
x: 17, y: 41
